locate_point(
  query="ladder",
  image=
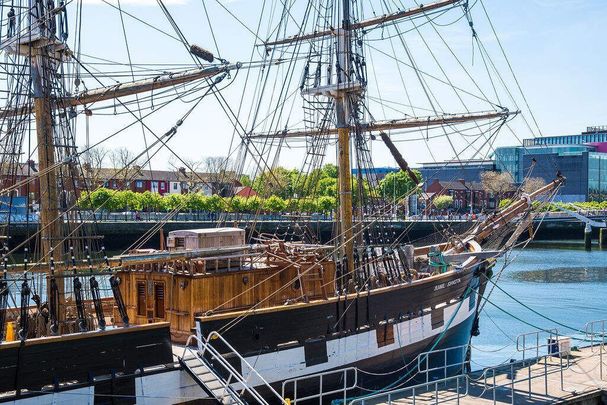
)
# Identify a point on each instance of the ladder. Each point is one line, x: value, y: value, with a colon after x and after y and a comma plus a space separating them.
x: 215, y: 386
x: 218, y: 378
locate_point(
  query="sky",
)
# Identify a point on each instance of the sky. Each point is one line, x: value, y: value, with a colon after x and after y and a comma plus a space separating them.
x: 556, y: 49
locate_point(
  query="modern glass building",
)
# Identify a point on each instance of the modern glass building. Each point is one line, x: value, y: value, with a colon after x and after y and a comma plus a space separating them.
x: 581, y: 158
x: 468, y: 170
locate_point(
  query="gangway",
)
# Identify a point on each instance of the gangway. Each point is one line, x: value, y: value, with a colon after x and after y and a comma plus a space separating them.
x: 218, y: 378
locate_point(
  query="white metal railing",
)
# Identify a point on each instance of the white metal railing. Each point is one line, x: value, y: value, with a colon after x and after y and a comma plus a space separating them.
x: 490, y: 374
x: 321, y: 378
x: 535, y: 341
x: 427, y: 361
x: 225, y: 383
x: 454, y: 388
x: 595, y: 331
x: 235, y: 377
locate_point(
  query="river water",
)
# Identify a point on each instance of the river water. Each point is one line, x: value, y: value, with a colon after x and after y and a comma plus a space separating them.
x: 560, y: 281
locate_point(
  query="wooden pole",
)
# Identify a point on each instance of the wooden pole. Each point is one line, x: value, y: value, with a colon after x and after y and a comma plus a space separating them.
x: 50, y: 222
x: 345, y: 196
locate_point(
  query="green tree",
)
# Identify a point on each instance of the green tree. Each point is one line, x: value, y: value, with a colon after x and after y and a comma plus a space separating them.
x: 101, y: 198
x: 327, y: 187
x: 151, y: 201
x: 84, y: 201
x: 196, y: 202
x: 442, y: 201
x: 274, y: 204
x: 307, y: 205
x: 326, y: 203
x: 253, y: 204
x: 236, y: 204
x: 174, y: 202
x: 397, y: 185
x: 215, y: 203
x: 245, y: 180
x: 127, y: 200
x: 329, y: 170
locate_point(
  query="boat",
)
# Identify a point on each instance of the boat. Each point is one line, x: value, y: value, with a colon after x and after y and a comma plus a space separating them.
x: 261, y: 308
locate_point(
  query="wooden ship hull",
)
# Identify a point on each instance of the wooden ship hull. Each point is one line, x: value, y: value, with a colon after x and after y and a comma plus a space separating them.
x: 381, y: 332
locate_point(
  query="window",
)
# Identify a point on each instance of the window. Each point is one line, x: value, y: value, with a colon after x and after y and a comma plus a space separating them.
x: 179, y: 242
x: 159, y: 300
x: 162, y: 185
x: 139, y: 184
x: 141, y: 304
x: 175, y: 186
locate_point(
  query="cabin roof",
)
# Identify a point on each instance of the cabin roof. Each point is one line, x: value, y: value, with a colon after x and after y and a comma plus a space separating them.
x: 202, y: 231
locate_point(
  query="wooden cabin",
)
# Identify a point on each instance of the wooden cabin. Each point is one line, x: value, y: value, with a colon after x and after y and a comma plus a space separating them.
x: 213, y: 271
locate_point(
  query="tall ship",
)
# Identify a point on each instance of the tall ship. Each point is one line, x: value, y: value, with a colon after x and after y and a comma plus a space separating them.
x: 232, y: 312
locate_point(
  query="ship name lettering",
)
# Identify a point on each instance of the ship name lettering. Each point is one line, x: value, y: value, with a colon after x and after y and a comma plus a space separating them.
x: 454, y: 282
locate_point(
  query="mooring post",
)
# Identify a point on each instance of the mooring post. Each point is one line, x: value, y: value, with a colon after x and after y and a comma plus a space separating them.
x: 602, y: 238
x: 588, y: 237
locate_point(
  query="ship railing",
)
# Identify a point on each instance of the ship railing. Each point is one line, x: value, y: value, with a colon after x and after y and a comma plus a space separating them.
x: 227, y: 390
x: 536, y: 341
x: 507, y: 376
x: 348, y: 375
x: 436, y: 362
x: 207, y: 349
x: 596, y: 333
x: 451, y: 390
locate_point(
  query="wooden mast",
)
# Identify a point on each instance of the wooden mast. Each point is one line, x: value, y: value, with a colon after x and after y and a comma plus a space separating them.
x: 50, y: 225
x: 343, y: 139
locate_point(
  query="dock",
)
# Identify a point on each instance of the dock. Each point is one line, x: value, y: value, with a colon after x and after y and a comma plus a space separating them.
x: 579, y: 378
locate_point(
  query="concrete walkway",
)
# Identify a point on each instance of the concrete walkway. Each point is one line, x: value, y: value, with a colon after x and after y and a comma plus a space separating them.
x: 576, y: 382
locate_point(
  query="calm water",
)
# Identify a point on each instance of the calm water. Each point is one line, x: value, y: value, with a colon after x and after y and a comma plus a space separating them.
x: 560, y: 281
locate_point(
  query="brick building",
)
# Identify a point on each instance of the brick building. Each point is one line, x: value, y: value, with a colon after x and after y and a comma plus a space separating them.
x: 465, y: 194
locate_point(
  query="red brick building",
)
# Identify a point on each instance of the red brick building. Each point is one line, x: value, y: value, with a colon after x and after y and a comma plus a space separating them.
x: 464, y: 195
x: 17, y: 174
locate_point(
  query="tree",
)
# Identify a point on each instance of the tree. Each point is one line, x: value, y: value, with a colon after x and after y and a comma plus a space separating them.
x: 217, y: 174
x: 329, y: 170
x: 174, y: 202
x: 326, y: 204
x: 397, y: 185
x: 152, y: 202
x: 127, y: 200
x: 307, y: 205
x: 237, y: 204
x: 245, y: 180
x: 274, y: 182
x: 124, y: 164
x: 94, y: 160
x: 215, y: 203
x: 498, y: 183
x: 327, y: 187
x: 274, y: 204
x: 100, y: 198
x: 253, y: 204
x: 443, y: 201
x: 533, y: 183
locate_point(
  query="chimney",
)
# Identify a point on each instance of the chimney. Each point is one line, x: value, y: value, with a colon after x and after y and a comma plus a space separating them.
x: 462, y: 181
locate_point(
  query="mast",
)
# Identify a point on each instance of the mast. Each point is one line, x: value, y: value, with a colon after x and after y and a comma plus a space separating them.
x: 49, y: 204
x: 343, y: 139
